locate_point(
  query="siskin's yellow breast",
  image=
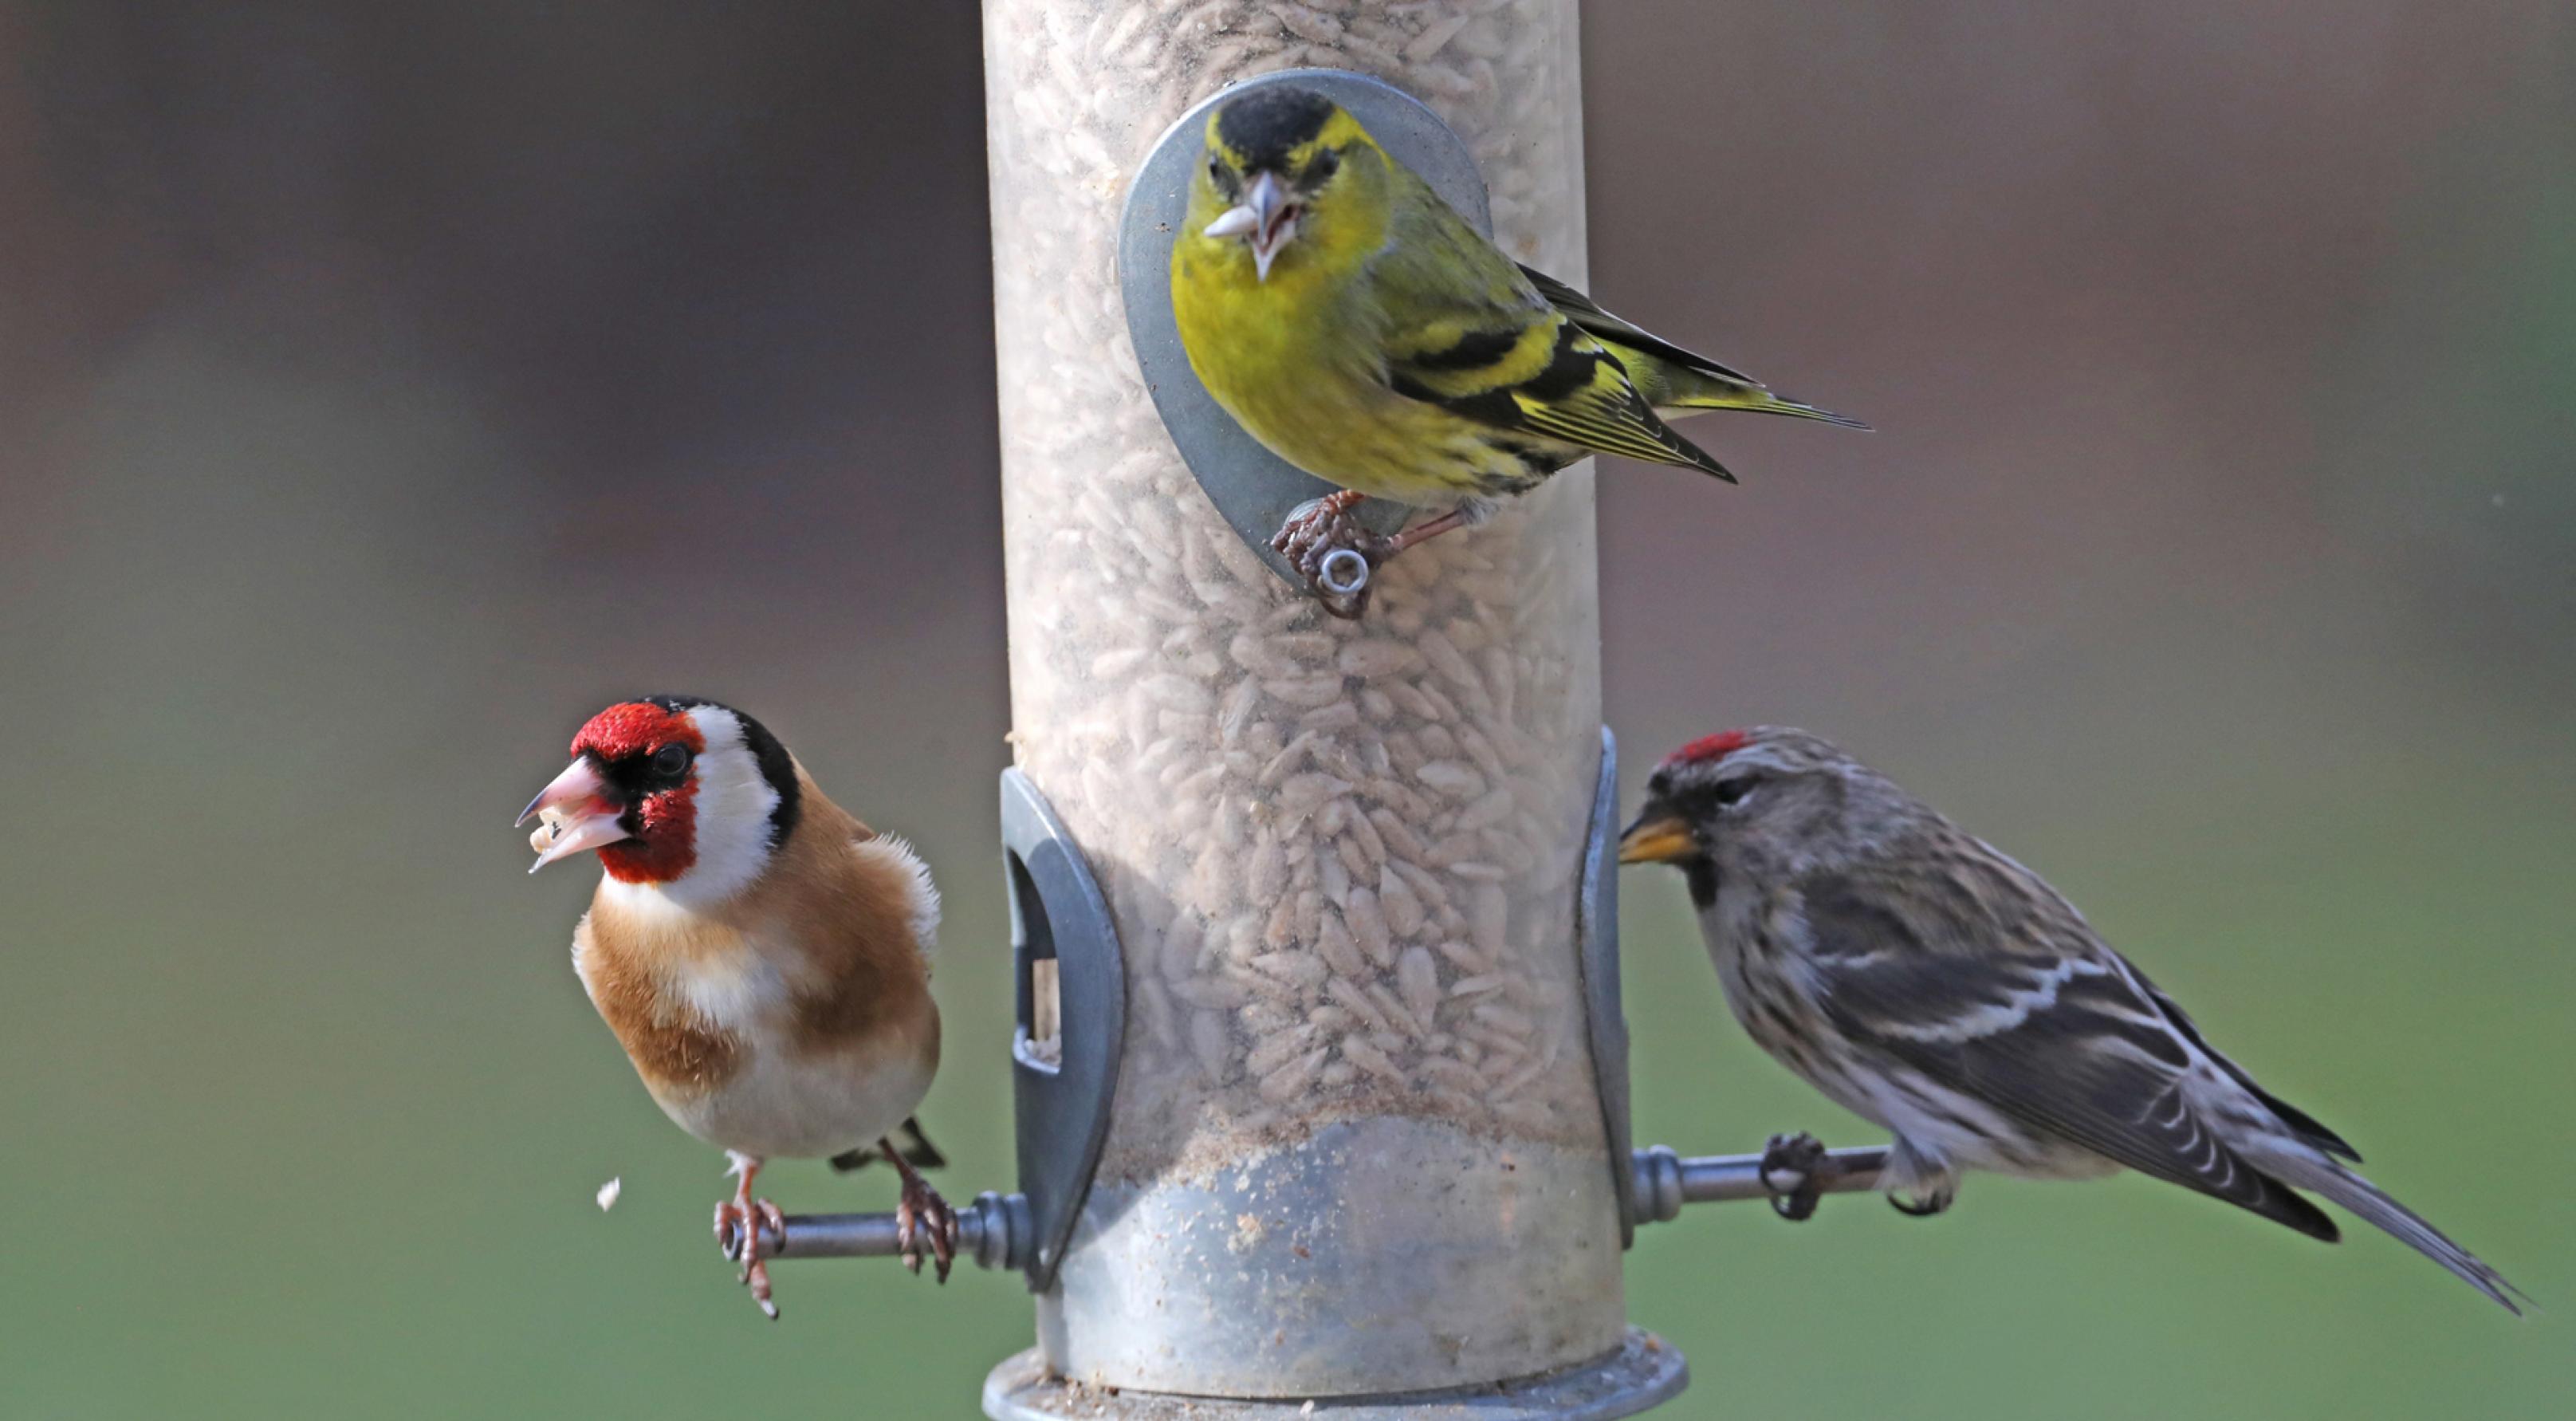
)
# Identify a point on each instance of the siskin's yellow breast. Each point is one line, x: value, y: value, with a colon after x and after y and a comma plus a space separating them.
x: 1297, y: 360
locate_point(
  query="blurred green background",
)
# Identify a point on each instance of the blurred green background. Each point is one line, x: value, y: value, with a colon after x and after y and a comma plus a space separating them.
x: 382, y: 389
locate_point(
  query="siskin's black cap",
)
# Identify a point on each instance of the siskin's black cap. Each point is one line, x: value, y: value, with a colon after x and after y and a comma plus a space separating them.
x: 1266, y: 125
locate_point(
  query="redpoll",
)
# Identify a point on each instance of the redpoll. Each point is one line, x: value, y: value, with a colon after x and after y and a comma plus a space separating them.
x: 1930, y: 984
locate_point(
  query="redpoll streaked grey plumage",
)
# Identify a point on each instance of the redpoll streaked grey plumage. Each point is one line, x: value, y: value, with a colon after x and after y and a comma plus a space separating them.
x: 1928, y: 983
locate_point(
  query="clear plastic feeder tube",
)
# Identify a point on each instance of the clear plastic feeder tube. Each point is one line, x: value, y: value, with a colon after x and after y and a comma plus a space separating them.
x: 1356, y: 1144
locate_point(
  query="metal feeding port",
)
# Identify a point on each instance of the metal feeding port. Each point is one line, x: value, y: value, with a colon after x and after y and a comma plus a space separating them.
x: 1066, y: 1044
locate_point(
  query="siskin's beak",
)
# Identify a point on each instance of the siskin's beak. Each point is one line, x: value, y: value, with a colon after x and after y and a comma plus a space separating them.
x: 1658, y: 836
x: 1267, y: 220
x: 579, y: 815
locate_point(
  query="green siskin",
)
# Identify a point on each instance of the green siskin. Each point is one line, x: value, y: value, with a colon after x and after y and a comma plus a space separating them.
x: 1360, y: 329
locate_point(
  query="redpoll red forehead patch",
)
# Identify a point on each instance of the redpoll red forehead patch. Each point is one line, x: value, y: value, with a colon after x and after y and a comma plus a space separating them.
x: 1709, y: 747
x: 636, y: 728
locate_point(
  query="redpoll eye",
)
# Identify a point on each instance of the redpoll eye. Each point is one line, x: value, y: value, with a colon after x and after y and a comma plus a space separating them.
x: 1732, y: 791
x: 671, y: 761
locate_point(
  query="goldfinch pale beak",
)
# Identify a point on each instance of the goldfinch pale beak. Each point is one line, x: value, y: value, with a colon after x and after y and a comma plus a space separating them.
x: 1267, y: 218
x: 1658, y: 836
x: 578, y: 815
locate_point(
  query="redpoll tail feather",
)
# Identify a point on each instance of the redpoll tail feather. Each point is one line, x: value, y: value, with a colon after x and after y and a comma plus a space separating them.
x: 2373, y: 1204
x: 2307, y: 1126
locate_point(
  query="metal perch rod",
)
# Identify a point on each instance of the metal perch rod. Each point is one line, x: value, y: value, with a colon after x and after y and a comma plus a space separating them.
x: 995, y: 1229
x: 1665, y: 1181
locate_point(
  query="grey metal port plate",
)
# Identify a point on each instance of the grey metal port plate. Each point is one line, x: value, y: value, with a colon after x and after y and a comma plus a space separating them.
x: 1060, y: 1108
x: 1596, y: 940
x: 1252, y: 488
x: 1644, y: 1373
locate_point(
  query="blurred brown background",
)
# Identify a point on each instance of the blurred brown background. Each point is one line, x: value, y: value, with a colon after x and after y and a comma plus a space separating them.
x: 384, y: 388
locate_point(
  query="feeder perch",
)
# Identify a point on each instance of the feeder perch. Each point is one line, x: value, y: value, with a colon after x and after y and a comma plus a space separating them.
x: 1141, y: 1249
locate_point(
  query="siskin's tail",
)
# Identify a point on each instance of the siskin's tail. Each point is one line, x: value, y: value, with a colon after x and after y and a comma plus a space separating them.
x: 1692, y: 390
x: 1672, y: 379
x: 1794, y: 409
x: 2368, y: 1201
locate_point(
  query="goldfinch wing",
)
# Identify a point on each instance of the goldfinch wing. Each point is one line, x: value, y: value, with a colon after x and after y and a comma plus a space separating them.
x: 1462, y: 328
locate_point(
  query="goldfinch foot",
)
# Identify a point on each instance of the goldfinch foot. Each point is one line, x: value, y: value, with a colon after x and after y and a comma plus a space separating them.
x: 1789, y: 1167
x: 921, y: 1216
x: 739, y: 1221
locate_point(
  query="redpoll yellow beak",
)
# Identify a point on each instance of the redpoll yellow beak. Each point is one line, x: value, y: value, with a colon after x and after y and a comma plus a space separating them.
x: 1657, y: 838
x: 577, y: 812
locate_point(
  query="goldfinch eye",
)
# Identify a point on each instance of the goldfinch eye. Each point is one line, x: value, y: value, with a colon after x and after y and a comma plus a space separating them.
x: 1216, y: 170
x: 671, y: 761
x: 1322, y: 166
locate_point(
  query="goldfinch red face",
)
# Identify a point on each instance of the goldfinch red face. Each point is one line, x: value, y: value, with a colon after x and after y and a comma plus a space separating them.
x: 685, y: 796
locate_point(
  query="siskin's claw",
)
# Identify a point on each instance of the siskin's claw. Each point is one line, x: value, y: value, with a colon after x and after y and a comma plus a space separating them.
x: 1337, y: 556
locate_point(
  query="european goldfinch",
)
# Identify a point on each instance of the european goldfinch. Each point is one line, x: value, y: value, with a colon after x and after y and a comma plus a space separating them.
x: 1928, y: 983
x: 761, y: 955
x: 1359, y: 328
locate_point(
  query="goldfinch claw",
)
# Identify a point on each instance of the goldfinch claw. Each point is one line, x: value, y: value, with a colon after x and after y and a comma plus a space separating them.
x: 922, y: 1217
x: 738, y: 1226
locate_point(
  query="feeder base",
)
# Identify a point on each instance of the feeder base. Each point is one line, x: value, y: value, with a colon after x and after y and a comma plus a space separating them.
x: 1644, y: 1373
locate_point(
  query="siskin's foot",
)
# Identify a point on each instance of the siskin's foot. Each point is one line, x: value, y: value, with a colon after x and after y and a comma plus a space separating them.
x: 922, y: 1217
x: 1922, y: 1206
x: 1337, y: 556
x: 1790, y: 1164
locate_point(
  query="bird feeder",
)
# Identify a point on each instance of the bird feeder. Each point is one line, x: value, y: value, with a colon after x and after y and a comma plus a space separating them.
x: 1320, y: 1071
x: 1356, y: 1145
